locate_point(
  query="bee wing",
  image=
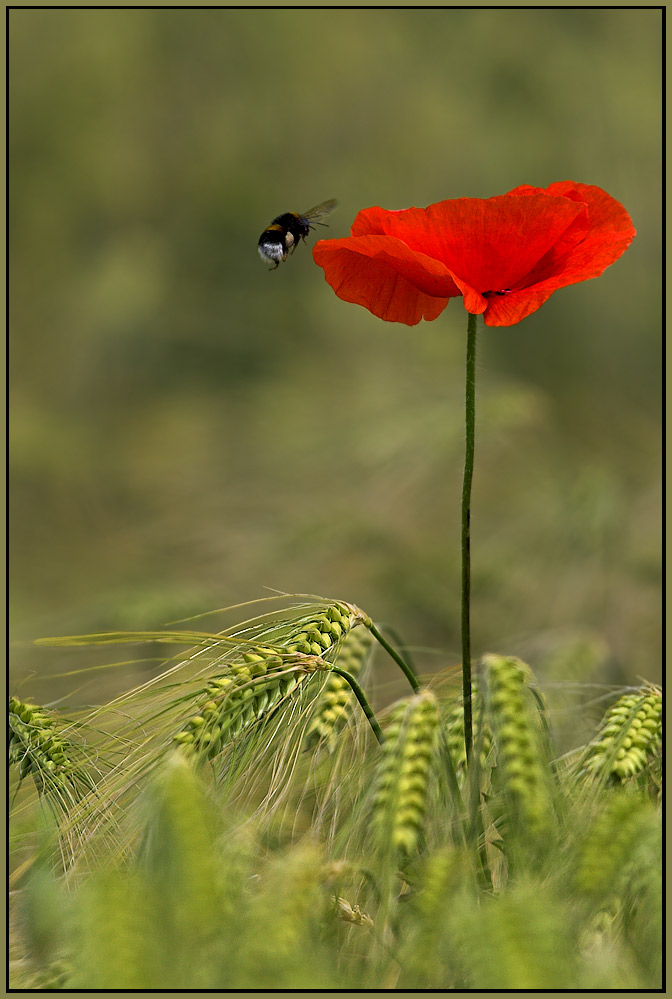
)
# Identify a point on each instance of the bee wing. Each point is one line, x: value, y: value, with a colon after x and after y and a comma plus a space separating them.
x: 320, y: 211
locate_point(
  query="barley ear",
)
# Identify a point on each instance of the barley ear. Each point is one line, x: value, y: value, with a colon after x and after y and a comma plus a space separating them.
x: 38, y: 746
x: 256, y: 681
x: 425, y: 954
x: 404, y: 773
x: 283, y: 922
x: 520, y: 738
x: 522, y: 940
x: 323, y: 632
x: 113, y: 934
x: 336, y: 702
x: 629, y: 738
x: 454, y: 729
x: 233, y: 701
x: 626, y: 824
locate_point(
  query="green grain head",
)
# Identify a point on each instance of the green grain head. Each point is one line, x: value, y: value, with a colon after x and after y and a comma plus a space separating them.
x: 258, y: 679
x: 336, y: 701
x: 523, y: 940
x: 38, y: 746
x: 630, y: 736
x: 519, y: 731
x: 454, y: 727
x: 322, y: 633
x: 625, y: 822
x: 233, y: 701
x: 404, y: 773
x: 443, y: 876
x: 114, y: 934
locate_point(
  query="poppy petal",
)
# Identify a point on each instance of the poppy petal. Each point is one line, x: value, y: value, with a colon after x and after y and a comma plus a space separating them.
x: 474, y: 302
x: 490, y: 244
x: 509, y: 308
x: 386, y: 277
x: 609, y: 234
x: 371, y: 221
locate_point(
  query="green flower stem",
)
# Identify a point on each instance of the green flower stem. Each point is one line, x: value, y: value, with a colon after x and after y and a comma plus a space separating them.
x: 409, y: 673
x: 361, y: 697
x: 470, y: 427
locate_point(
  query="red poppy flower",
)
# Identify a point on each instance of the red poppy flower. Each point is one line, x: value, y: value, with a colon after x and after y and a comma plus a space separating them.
x: 505, y: 255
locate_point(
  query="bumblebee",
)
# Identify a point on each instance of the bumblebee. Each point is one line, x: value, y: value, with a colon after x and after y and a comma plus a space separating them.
x: 285, y: 231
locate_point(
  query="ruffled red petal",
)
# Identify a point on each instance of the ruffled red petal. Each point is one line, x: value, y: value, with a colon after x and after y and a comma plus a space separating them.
x: 381, y: 273
x: 487, y: 243
x: 371, y: 221
x: 610, y: 232
x: 509, y: 309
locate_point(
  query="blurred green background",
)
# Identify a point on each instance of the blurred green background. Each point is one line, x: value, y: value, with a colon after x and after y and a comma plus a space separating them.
x: 188, y: 430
